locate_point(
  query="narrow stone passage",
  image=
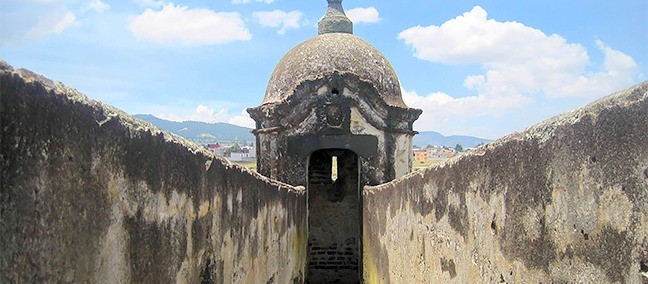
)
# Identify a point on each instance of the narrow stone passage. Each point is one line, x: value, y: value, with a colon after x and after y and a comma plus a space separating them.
x: 334, y: 217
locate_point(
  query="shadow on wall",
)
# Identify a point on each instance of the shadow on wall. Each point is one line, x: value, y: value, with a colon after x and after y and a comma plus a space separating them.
x: 90, y: 194
x: 334, y: 220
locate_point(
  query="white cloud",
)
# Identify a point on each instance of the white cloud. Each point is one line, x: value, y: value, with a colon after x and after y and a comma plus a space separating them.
x: 53, y: 23
x: 363, y: 15
x: 248, y: 1
x: 195, y: 26
x: 242, y: 119
x: 526, y: 76
x: 519, y: 60
x: 150, y: 3
x: 440, y: 109
x: 96, y: 5
x: 206, y: 114
x: 279, y: 19
x: 24, y: 21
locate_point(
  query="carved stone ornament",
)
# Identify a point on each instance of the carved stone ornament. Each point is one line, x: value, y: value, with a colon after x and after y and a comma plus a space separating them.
x: 334, y: 115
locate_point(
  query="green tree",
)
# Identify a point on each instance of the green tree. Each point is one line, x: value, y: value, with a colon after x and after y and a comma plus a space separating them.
x: 233, y: 149
x: 458, y: 148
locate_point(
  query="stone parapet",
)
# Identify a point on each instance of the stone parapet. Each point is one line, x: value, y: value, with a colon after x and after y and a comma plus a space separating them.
x: 565, y: 201
x: 90, y: 194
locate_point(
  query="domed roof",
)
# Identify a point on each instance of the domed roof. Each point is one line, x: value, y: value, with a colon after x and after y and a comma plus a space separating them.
x: 321, y: 56
x: 335, y: 49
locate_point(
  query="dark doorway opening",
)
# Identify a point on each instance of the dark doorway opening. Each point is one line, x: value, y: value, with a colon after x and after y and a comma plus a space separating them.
x: 334, y: 217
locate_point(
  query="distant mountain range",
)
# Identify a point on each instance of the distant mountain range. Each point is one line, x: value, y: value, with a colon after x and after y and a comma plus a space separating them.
x: 203, y: 132
x: 425, y: 138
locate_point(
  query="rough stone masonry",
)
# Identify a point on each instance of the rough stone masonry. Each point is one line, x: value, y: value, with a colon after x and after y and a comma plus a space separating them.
x: 565, y: 201
x: 91, y: 194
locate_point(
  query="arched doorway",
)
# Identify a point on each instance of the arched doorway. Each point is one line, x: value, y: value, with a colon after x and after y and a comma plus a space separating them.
x: 334, y: 217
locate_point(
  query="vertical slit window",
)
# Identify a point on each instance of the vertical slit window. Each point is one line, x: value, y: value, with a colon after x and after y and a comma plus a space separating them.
x: 334, y: 168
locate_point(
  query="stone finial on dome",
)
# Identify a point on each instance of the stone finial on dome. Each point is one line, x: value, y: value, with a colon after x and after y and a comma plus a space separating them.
x: 335, y: 21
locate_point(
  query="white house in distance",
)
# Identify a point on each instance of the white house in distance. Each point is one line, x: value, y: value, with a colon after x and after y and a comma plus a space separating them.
x: 246, y: 153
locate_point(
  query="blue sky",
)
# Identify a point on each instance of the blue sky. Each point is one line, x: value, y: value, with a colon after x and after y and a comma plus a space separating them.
x: 484, y: 69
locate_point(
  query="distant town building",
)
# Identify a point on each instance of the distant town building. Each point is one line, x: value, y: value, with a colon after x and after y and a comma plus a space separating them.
x: 246, y: 153
x: 421, y: 155
x: 440, y: 152
x: 217, y: 149
x: 250, y: 150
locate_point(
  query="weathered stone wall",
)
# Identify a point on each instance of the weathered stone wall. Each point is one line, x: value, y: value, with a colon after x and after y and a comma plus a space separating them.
x: 337, y: 112
x: 91, y: 195
x: 565, y: 201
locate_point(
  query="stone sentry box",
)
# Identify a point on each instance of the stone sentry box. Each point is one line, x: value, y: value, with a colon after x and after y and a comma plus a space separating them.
x: 334, y: 99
